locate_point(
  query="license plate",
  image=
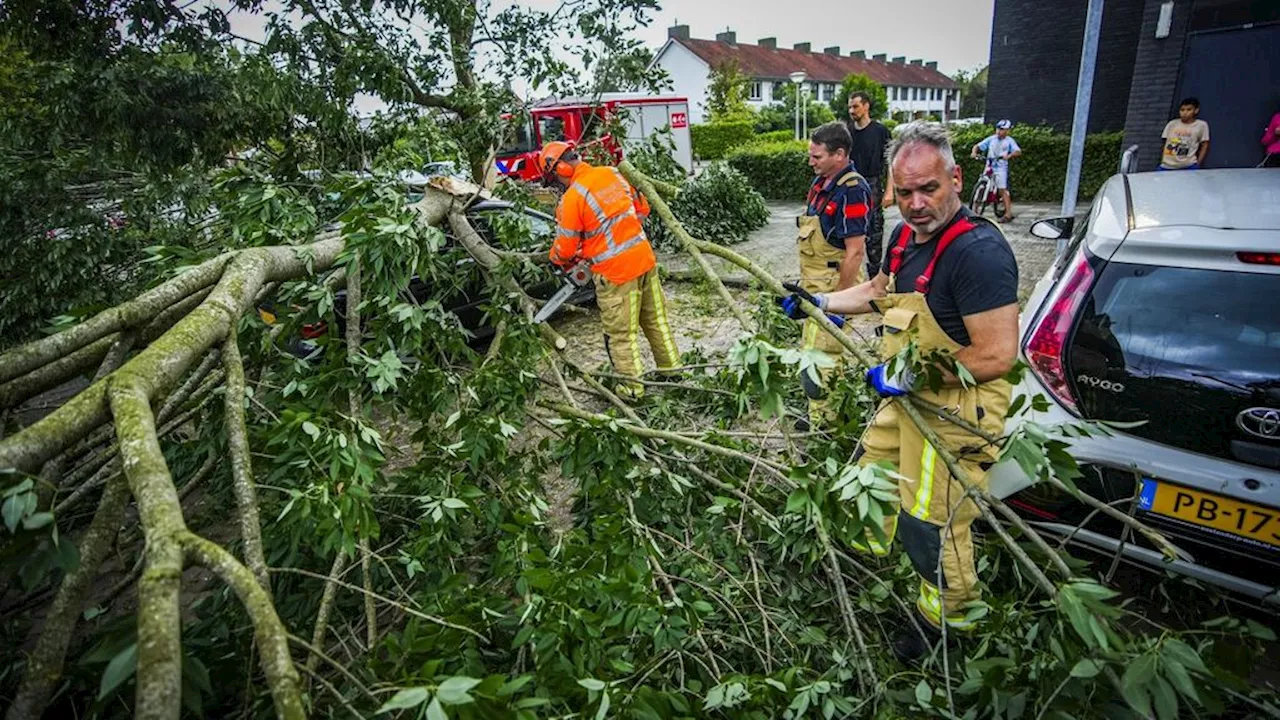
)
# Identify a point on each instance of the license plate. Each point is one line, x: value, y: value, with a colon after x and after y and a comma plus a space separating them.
x: 1222, y: 515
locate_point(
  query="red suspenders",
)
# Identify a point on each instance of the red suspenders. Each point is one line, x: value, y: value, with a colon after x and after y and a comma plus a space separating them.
x: 957, y: 229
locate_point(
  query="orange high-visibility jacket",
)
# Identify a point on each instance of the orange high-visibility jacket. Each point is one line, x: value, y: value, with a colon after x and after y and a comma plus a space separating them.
x: 598, y: 219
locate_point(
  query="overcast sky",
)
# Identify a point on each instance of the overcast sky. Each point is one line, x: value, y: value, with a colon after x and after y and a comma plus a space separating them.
x: 956, y: 33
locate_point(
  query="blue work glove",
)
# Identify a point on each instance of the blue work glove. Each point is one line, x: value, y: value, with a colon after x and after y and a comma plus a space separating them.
x: 791, y: 304
x: 896, y: 385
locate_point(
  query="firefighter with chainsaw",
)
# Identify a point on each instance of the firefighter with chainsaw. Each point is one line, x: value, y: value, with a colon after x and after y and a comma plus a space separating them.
x: 832, y: 244
x: 598, y: 220
x: 949, y: 284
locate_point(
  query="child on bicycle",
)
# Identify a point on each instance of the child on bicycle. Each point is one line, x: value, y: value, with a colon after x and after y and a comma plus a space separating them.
x: 999, y: 149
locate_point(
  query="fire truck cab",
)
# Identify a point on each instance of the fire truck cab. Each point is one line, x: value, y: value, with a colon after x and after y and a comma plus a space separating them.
x: 587, y: 122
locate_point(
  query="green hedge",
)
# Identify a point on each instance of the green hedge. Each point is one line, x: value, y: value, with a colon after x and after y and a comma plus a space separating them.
x: 772, y: 136
x: 711, y: 141
x: 1038, y: 175
x: 780, y: 170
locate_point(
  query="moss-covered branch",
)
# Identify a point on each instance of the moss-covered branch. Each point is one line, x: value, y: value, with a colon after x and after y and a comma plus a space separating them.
x: 326, y: 607
x: 271, y: 636
x: 241, y: 466
x: 159, y: 685
x: 135, y: 313
x: 19, y: 390
x: 159, y: 367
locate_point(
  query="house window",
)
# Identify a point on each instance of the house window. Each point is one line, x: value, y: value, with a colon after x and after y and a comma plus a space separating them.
x: 755, y: 91
x: 893, y: 93
x: 915, y: 93
x: 775, y: 91
x: 828, y: 91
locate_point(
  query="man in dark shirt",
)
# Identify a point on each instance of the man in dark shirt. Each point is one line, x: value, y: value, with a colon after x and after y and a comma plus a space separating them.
x: 949, y: 286
x: 870, y: 139
x: 830, y: 239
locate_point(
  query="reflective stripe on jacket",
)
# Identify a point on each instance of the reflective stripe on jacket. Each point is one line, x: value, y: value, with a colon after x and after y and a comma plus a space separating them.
x: 599, y: 219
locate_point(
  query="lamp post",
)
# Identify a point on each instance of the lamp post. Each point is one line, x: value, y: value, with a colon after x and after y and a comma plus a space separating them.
x: 797, y: 79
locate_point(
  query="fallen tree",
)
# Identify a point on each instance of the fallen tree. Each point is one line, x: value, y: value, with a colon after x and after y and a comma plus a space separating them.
x: 703, y: 571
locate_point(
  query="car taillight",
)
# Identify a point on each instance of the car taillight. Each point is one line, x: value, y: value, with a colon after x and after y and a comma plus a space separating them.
x: 1259, y: 258
x: 1048, y: 342
x: 313, y: 330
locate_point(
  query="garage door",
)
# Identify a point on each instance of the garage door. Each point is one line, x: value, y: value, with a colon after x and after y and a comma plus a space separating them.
x: 1236, y: 75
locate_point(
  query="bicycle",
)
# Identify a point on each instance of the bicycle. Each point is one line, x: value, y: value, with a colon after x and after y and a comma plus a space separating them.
x: 986, y: 193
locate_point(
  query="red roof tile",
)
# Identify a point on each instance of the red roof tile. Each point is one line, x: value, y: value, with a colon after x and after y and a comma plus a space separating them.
x: 760, y: 62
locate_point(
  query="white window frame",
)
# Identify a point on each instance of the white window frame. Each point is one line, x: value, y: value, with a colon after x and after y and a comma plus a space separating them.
x: 756, y: 92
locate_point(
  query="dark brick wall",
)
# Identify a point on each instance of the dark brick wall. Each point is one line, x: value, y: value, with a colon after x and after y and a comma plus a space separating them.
x: 1035, y: 62
x: 1155, y: 80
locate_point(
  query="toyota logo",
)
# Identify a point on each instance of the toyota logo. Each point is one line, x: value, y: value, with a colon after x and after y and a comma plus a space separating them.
x: 1260, y: 422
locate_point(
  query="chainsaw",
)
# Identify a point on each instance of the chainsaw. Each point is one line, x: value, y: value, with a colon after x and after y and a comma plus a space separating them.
x: 575, y: 278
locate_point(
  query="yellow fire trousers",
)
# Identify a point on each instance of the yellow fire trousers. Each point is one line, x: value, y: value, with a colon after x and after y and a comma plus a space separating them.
x: 625, y: 310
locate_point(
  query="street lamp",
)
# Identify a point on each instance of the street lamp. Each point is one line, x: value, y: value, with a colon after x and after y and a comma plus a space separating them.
x: 797, y: 78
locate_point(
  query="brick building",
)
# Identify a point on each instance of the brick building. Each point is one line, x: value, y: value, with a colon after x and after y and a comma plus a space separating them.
x: 1225, y: 52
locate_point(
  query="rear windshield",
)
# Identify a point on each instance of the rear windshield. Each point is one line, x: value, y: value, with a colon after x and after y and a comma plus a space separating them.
x: 1163, y: 320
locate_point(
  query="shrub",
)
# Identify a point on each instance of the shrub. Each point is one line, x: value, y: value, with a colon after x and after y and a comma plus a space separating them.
x: 719, y: 205
x: 778, y: 170
x: 1038, y: 175
x: 712, y: 140
x: 774, y: 136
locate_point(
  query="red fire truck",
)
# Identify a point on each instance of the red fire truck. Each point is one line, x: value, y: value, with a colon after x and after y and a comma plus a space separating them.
x: 585, y: 121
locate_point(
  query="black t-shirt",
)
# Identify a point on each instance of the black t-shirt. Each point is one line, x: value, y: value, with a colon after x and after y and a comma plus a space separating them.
x: 868, y: 150
x: 978, y: 272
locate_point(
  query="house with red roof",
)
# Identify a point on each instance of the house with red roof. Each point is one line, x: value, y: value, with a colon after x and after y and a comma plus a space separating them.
x: 915, y: 87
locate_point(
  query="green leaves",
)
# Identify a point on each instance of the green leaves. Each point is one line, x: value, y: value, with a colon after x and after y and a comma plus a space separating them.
x: 406, y: 698
x: 453, y: 691
x: 19, y: 508
x: 120, y: 669
x: 450, y: 691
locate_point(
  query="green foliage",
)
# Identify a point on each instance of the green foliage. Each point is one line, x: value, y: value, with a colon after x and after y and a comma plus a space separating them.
x: 782, y: 115
x: 536, y: 566
x: 773, y: 136
x: 727, y: 89
x: 1038, y: 175
x: 655, y: 157
x: 778, y: 171
x: 973, y: 92
x: 719, y: 205
x: 855, y: 82
x: 712, y: 140
x: 105, y: 146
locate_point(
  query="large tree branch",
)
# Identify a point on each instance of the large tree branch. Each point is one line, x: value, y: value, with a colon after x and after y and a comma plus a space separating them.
x: 162, y: 364
x: 241, y: 466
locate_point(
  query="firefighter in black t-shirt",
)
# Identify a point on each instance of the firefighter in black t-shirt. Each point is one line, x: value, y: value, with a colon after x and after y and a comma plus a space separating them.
x: 948, y: 284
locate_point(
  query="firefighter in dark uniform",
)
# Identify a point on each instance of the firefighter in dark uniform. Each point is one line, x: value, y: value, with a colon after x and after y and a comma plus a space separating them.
x: 831, y: 241
x: 948, y: 283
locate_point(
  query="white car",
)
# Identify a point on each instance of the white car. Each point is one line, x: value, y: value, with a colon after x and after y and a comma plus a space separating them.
x: 1165, y: 311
